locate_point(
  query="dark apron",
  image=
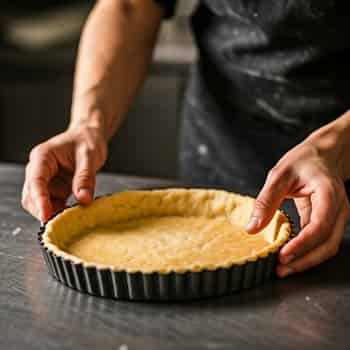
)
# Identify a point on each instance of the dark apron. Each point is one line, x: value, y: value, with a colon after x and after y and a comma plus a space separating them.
x: 268, y: 74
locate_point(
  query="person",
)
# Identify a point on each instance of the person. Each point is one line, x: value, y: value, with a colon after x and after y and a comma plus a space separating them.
x: 269, y: 91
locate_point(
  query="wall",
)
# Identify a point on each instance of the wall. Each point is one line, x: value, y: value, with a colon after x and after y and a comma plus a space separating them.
x: 35, y: 97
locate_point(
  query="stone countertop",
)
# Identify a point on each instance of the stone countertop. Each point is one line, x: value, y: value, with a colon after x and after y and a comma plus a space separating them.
x: 308, y: 311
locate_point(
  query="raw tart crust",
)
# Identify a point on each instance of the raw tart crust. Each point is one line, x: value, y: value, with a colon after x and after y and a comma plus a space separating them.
x: 198, y: 206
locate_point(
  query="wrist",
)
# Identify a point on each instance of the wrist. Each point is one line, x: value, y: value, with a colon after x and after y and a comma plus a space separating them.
x: 85, y: 117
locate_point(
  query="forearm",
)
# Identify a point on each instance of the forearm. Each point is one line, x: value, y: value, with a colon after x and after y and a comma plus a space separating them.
x: 115, y: 50
x: 332, y: 141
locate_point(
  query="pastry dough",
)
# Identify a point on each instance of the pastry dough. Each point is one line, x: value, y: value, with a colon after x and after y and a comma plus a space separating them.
x: 173, y: 230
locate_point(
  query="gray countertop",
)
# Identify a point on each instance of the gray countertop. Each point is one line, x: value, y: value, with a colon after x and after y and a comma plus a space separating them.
x: 308, y: 311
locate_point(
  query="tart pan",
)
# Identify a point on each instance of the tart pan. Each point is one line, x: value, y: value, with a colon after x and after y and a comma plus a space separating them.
x: 155, y: 286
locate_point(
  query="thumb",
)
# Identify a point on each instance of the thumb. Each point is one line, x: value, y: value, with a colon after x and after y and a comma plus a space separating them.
x: 268, y: 201
x: 84, y: 180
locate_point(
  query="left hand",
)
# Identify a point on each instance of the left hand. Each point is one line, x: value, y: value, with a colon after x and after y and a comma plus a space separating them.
x: 311, y: 174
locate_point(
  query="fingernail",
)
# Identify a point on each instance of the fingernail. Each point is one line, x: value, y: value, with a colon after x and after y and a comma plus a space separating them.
x: 285, y: 271
x: 84, y: 192
x: 289, y: 258
x: 253, y: 223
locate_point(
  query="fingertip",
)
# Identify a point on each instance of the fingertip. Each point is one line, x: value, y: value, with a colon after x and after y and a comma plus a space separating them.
x: 41, y: 219
x: 286, y: 259
x: 284, y: 271
x: 252, y: 231
x: 278, y: 271
x: 44, y: 215
x: 44, y: 209
x: 253, y: 225
x: 291, y: 250
x: 84, y: 196
x: 283, y: 252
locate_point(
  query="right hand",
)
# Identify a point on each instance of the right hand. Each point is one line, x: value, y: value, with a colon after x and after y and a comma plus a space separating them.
x: 64, y: 164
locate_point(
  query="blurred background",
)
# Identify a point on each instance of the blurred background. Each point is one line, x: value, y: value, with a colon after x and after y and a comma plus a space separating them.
x: 38, y: 45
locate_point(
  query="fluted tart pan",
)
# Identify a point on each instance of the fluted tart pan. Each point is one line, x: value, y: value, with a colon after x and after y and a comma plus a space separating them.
x: 168, y: 244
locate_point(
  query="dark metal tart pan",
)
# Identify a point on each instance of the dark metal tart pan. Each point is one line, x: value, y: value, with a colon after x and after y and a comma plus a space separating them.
x: 158, y: 286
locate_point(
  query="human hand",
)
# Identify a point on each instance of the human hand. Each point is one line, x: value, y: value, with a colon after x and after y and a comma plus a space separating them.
x: 311, y: 173
x: 65, y: 164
